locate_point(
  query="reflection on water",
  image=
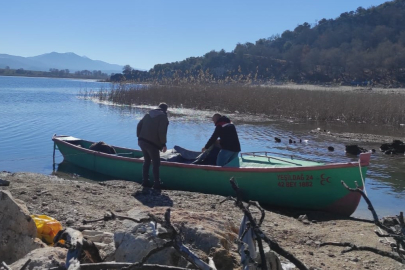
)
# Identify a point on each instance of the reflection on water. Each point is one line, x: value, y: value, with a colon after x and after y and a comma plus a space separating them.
x: 33, y: 109
x: 70, y: 171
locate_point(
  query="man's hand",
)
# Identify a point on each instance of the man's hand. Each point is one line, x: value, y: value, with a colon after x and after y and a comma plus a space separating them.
x: 164, y: 149
x: 203, y: 149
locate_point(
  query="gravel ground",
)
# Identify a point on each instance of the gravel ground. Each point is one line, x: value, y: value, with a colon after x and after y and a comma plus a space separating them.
x: 71, y: 201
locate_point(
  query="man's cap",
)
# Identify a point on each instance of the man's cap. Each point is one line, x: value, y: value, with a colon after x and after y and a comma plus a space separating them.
x: 163, y: 106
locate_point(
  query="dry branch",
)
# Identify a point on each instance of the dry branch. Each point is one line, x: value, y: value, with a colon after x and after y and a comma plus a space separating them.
x: 26, y: 264
x: 399, y: 236
x: 3, y: 264
x: 259, y: 233
x: 363, y: 248
x: 182, y: 249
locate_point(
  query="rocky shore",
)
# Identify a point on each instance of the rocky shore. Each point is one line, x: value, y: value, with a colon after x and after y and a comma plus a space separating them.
x: 209, y: 228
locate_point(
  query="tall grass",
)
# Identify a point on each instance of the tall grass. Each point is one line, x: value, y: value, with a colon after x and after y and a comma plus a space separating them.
x: 364, y: 107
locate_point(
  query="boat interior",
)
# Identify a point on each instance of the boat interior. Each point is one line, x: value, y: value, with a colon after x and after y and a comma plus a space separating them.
x: 185, y: 156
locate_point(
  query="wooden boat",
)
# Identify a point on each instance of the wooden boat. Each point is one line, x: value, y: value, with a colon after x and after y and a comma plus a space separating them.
x: 270, y: 180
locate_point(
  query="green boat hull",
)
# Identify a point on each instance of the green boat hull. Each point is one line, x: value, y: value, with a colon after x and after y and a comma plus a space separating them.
x: 307, y: 187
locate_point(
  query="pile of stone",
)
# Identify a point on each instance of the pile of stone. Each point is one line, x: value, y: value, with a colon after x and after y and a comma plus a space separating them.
x: 206, y: 234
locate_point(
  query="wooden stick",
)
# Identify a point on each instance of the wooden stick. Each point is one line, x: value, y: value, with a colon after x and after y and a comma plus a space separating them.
x: 259, y: 233
x: 153, y: 251
x: 399, y: 237
x: 5, y: 266
x: 182, y: 249
x: 377, y: 222
x: 26, y: 264
x: 363, y: 248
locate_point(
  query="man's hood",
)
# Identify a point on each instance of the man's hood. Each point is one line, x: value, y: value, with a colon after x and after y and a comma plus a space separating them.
x: 155, y: 113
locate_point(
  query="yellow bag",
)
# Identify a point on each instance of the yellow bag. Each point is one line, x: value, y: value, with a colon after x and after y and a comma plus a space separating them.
x: 47, y: 227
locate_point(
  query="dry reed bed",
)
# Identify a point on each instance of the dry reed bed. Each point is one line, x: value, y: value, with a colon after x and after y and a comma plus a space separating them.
x: 372, y: 108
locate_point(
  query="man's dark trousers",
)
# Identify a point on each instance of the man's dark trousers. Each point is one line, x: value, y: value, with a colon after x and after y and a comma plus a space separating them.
x: 150, y: 152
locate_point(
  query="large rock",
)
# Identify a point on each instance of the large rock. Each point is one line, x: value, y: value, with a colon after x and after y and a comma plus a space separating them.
x: 205, y: 234
x: 132, y: 246
x: 17, y: 229
x: 43, y: 258
x: 104, y: 241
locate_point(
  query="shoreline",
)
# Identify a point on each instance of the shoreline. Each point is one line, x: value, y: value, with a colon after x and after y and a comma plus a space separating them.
x: 71, y: 201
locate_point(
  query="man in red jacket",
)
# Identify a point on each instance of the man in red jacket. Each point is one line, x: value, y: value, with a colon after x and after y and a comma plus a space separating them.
x: 229, y: 141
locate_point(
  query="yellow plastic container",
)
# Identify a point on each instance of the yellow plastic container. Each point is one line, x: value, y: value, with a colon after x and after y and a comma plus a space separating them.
x: 47, y: 227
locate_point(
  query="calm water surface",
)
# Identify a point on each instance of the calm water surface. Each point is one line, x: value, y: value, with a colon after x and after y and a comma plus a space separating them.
x: 33, y: 109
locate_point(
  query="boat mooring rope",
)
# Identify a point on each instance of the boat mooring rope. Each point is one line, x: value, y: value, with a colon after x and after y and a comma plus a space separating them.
x: 362, y: 179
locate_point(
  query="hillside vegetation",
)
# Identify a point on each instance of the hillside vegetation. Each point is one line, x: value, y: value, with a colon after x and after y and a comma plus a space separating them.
x: 366, y: 46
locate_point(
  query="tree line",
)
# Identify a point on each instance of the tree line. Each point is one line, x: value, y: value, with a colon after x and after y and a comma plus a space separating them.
x: 54, y: 72
x: 361, y: 46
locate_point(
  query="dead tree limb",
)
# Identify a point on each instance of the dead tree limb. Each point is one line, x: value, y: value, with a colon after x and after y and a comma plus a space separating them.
x: 259, y: 233
x: 362, y: 248
x: 26, y: 264
x: 112, y: 216
x: 3, y: 264
x: 398, y: 236
x: 179, y: 247
x: 144, y: 259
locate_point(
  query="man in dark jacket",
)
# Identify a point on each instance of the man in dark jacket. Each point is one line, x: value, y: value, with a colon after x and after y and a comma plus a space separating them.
x: 229, y: 141
x: 151, y: 132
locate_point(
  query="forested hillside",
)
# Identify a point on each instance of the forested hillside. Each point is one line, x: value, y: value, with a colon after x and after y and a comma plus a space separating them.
x: 366, y: 45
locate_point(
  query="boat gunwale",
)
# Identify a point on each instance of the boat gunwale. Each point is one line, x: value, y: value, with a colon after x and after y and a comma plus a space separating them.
x: 211, y: 167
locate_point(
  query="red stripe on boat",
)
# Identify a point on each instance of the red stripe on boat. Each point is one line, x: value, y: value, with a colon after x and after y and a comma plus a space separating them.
x: 346, y: 205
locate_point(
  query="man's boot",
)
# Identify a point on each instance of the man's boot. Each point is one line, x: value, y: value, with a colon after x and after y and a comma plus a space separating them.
x: 146, y: 183
x: 157, y: 185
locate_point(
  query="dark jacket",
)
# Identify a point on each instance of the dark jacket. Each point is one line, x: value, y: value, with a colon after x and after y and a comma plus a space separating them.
x: 153, y: 128
x: 226, y: 131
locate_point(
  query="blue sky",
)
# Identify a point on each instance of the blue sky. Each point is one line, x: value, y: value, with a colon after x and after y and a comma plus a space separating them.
x: 149, y: 32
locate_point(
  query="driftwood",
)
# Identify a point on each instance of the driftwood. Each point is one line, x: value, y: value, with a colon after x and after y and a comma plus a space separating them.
x: 177, y: 244
x: 259, y: 233
x: 26, y: 264
x: 6, y: 267
x: 353, y: 247
x: 3, y: 264
x: 397, y: 235
x: 112, y: 216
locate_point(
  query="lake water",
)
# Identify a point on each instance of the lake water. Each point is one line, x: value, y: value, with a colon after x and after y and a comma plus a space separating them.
x: 33, y: 109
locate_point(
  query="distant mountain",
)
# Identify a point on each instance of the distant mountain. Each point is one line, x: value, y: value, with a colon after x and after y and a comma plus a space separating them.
x: 69, y: 60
